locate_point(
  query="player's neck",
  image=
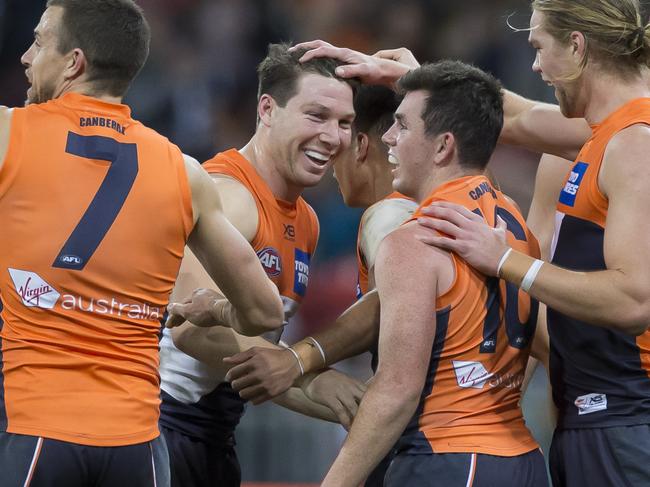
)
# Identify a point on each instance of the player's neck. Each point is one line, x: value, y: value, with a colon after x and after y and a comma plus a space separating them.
x: 86, y: 88
x: 605, y: 93
x: 382, y: 184
x: 259, y: 155
x: 441, y: 177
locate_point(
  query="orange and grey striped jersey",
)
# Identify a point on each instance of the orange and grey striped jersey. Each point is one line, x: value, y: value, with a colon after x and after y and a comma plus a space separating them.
x: 600, y: 376
x: 484, y: 329
x: 95, y: 209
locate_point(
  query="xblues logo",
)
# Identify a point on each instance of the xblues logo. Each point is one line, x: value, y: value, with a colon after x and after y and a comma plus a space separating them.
x: 270, y: 259
x: 301, y: 272
x: 570, y: 190
x: 33, y: 290
x: 590, y: 403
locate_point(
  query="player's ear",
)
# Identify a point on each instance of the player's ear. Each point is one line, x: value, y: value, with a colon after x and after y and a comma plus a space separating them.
x: 444, y: 146
x: 265, y: 107
x: 76, y: 65
x: 361, y: 147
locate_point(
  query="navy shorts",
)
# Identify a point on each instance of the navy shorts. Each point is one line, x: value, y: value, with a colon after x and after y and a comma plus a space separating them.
x: 601, y: 457
x: 467, y: 470
x: 31, y: 461
x: 197, y: 463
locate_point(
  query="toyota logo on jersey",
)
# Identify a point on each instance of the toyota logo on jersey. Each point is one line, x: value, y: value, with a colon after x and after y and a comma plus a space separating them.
x: 271, y: 261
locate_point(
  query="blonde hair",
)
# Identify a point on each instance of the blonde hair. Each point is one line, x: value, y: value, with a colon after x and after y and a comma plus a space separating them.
x: 615, y: 36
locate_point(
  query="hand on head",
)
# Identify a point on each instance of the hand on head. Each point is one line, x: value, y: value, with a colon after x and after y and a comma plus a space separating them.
x: 383, y: 68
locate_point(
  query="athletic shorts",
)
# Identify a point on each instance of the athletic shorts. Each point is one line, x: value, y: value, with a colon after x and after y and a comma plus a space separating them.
x: 197, y: 463
x: 618, y: 456
x: 31, y: 461
x: 467, y: 470
x: 376, y: 477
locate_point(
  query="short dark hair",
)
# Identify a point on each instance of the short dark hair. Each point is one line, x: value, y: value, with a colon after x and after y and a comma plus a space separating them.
x: 463, y: 100
x: 114, y: 36
x: 374, y: 107
x: 280, y: 70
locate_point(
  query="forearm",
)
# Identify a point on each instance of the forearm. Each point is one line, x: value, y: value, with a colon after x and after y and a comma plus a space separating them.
x: 383, y: 415
x: 541, y: 127
x: 211, y: 345
x: 248, y: 322
x: 296, y: 400
x: 608, y: 298
x: 354, y: 332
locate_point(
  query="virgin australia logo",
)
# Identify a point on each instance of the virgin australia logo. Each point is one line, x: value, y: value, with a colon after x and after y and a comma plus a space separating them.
x: 471, y: 374
x: 33, y: 290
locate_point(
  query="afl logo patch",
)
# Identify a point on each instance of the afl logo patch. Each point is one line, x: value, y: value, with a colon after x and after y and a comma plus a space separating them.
x: 270, y: 260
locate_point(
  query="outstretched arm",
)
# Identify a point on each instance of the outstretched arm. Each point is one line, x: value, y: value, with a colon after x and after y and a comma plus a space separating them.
x: 541, y: 127
x: 253, y: 306
x: 617, y: 298
x: 261, y: 374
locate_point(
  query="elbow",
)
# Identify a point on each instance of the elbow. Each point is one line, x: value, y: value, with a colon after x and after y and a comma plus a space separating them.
x: 636, y: 320
x: 182, y: 336
x: 405, y: 391
x: 260, y: 320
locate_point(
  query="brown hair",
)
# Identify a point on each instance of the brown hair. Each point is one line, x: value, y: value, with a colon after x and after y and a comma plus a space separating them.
x: 113, y: 35
x: 280, y: 70
x: 463, y: 100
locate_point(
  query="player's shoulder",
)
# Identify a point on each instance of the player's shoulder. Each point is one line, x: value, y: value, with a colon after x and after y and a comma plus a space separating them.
x: 388, y: 210
x: 634, y: 138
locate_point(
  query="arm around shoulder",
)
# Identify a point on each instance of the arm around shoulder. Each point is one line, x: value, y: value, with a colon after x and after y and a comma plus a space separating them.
x: 541, y: 127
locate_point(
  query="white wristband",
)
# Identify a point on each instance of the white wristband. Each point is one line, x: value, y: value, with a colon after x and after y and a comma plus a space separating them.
x: 295, y: 354
x: 530, y: 276
x: 320, y: 349
x: 502, y: 261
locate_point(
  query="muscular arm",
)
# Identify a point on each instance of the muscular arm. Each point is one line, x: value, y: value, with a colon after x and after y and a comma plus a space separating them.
x: 617, y: 298
x: 405, y: 341
x: 541, y: 127
x: 211, y: 345
x: 254, y: 305
x: 353, y: 332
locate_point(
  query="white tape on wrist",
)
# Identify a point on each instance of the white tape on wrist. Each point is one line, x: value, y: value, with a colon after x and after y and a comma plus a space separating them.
x: 530, y: 276
x: 320, y: 349
x: 502, y: 261
x: 295, y: 354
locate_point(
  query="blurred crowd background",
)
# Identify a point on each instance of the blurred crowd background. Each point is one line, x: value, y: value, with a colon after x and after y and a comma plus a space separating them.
x: 199, y: 89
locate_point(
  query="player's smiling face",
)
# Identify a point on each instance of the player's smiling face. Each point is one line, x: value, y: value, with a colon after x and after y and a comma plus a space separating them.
x: 44, y: 64
x: 313, y: 127
x: 410, y: 149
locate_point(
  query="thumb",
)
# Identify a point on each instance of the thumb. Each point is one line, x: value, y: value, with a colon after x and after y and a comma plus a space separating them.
x: 176, y: 316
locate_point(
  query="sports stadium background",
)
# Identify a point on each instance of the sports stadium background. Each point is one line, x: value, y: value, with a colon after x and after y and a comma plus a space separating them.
x: 199, y: 89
